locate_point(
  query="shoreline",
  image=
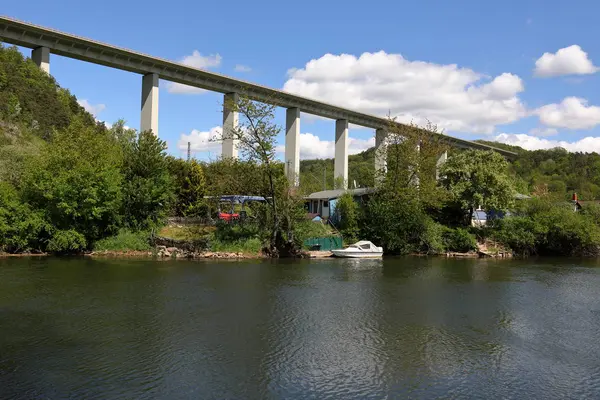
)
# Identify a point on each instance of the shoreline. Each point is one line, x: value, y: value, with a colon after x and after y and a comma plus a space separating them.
x: 177, y: 254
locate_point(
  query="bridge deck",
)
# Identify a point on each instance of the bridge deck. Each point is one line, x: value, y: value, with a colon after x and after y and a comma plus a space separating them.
x: 32, y: 36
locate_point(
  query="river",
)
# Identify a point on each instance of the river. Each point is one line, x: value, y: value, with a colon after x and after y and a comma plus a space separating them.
x: 321, y: 329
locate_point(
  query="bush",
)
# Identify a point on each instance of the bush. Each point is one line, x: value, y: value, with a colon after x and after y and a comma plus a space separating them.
x: 548, y: 228
x: 75, y: 181
x: 66, y: 241
x: 123, y: 241
x: 431, y: 238
x: 521, y: 234
x: 20, y: 226
x: 398, y: 223
x: 346, y: 217
x: 459, y: 240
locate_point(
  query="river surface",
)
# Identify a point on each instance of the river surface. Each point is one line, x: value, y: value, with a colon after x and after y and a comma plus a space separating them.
x: 321, y: 329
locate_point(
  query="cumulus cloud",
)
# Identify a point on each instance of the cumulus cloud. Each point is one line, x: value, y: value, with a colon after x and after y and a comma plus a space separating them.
x: 311, y: 146
x: 457, y: 99
x: 571, y: 113
x: 570, y: 60
x: 201, y: 141
x: 195, y: 60
x: 543, y: 131
x: 589, y: 144
x: 242, y: 68
x: 93, y: 109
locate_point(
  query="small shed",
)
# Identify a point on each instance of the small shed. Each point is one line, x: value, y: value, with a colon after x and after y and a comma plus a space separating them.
x: 323, y: 202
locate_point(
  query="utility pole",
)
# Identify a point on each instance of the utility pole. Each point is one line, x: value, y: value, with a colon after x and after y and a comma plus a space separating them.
x: 325, y: 178
x: 189, y: 146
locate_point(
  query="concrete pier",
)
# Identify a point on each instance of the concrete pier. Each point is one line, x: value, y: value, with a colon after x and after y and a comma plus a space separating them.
x: 443, y: 158
x: 292, y: 145
x: 41, y: 56
x: 230, y: 122
x: 340, y: 169
x: 380, y: 154
x: 149, y: 120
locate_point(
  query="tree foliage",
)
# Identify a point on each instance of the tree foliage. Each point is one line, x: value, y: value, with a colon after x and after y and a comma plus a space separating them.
x: 256, y: 137
x: 148, y: 189
x: 76, y: 182
x: 190, y: 188
x: 478, y: 178
x: 347, y: 215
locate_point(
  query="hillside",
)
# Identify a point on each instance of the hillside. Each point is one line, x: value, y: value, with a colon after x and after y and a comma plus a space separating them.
x: 32, y: 108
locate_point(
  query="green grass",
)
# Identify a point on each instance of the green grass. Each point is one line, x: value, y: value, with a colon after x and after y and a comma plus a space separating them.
x: 248, y: 246
x: 123, y: 241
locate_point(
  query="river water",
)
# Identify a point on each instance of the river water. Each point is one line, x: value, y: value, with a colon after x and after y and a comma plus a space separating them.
x: 319, y: 329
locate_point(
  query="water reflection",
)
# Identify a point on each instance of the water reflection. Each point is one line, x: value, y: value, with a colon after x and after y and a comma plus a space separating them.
x: 397, y: 327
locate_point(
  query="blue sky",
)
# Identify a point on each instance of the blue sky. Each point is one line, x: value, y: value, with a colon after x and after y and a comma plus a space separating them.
x: 519, y: 72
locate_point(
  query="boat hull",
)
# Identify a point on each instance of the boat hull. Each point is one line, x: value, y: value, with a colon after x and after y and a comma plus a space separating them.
x: 356, y: 254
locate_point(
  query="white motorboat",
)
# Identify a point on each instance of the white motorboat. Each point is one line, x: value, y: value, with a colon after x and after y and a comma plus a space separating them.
x: 362, y: 249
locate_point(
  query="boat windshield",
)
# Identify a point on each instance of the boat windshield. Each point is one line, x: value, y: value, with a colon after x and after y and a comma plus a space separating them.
x: 365, y: 246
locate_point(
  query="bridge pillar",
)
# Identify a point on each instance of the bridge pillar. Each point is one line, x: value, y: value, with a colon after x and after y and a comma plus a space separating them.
x: 41, y: 56
x: 380, y: 155
x: 292, y: 145
x: 149, y: 119
x: 340, y: 170
x: 439, y: 164
x: 230, y: 122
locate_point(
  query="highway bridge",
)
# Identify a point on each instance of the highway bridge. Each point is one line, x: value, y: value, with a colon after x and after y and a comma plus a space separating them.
x: 45, y: 41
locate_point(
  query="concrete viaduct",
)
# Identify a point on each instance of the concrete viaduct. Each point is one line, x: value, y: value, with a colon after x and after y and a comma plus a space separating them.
x: 44, y: 41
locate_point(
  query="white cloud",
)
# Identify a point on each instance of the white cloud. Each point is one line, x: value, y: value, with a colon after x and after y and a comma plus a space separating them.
x: 570, y: 60
x: 542, y: 131
x: 311, y: 146
x: 242, y: 68
x: 458, y: 99
x: 586, y: 145
x: 571, y: 113
x: 93, y: 109
x: 195, y: 60
x: 200, y: 141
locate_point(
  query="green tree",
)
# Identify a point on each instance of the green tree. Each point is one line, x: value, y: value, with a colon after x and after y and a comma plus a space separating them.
x: 148, y: 186
x: 478, y: 178
x: 76, y: 182
x: 397, y: 222
x: 347, y: 217
x: 256, y: 138
x: 190, y: 187
x: 20, y: 226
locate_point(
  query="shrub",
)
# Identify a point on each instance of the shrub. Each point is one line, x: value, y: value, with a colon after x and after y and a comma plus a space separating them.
x: 397, y: 222
x: 459, y: 240
x: 547, y: 228
x: 66, y: 241
x: 20, y: 226
x: 431, y: 238
x: 521, y: 234
x: 346, y: 217
x: 76, y: 183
